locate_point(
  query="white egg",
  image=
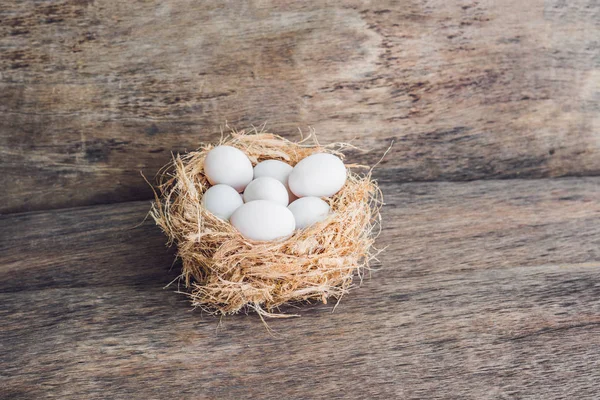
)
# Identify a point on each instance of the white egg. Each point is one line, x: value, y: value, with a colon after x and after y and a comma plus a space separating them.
x: 318, y: 175
x: 308, y: 211
x: 275, y: 169
x: 222, y: 200
x: 229, y: 166
x: 266, y: 188
x: 263, y: 220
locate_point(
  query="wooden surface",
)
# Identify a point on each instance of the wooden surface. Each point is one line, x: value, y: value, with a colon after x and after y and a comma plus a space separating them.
x: 490, y: 284
x: 92, y: 92
x: 488, y: 290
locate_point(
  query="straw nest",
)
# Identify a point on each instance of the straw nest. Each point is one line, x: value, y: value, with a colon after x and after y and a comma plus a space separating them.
x: 224, y: 273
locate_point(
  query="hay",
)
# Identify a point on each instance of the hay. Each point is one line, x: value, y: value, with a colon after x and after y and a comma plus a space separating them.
x: 225, y: 273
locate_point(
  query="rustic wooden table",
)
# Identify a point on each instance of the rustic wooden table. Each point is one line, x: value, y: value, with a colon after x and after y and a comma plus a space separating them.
x: 490, y: 284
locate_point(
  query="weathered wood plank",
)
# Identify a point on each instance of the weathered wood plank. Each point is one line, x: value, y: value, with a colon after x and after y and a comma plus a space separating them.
x: 428, y: 227
x: 443, y: 226
x: 83, y: 247
x: 514, y: 333
x: 462, y: 306
x: 93, y: 92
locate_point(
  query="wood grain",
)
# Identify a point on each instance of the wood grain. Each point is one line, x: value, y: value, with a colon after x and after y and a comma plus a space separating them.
x: 488, y: 290
x: 93, y: 92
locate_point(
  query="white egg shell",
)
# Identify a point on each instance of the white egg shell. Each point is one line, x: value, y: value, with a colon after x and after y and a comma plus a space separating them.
x: 318, y: 175
x: 263, y: 220
x: 275, y: 169
x: 308, y: 211
x: 266, y: 188
x: 229, y: 166
x: 222, y: 200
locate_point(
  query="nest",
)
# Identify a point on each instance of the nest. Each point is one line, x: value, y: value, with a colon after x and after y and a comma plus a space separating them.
x: 224, y: 273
